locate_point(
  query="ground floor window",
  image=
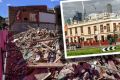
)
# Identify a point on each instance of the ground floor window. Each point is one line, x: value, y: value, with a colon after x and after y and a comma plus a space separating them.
x: 67, y: 41
x: 79, y: 40
x: 82, y: 38
x: 102, y: 38
x: 71, y: 39
x: 75, y: 40
x: 96, y: 38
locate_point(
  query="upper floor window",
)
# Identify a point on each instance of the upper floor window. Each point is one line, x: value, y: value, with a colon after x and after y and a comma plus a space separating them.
x: 101, y: 28
x: 108, y: 27
x: 70, y: 30
x: 119, y: 26
x: 81, y: 29
x: 65, y: 32
x: 95, y: 29
x: 114, y: 27
x: 89, y: 30
x: 76, y: 30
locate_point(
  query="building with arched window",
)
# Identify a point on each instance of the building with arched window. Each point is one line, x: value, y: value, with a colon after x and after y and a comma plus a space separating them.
x: 92, y: 31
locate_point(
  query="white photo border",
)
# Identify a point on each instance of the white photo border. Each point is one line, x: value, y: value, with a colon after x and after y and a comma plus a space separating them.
x: 65, y: 50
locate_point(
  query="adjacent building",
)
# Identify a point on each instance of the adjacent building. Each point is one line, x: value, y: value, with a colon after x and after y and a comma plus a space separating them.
x: 109, y: 8
x: 22, y: 13
x: 35, y: 16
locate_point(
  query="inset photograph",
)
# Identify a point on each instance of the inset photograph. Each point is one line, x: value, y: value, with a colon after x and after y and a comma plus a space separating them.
x: 91, y: 28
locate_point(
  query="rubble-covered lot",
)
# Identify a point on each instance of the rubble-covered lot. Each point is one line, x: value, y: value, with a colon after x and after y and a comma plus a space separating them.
x: 37, y: 54
x: 34, y: 51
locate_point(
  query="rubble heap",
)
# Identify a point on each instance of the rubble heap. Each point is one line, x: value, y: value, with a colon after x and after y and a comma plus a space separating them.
x: 38, y: 45
x: 101, y: 68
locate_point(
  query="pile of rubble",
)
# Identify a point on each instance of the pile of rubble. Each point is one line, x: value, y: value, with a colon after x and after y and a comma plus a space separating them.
x: 38, y: 45
x: 94, y: 69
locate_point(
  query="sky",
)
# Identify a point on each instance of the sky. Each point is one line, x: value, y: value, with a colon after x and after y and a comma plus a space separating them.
x: 5, y: 3
x: 92, y: 6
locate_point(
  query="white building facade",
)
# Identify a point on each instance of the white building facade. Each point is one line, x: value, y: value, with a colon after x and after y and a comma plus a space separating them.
x: 92, y: 30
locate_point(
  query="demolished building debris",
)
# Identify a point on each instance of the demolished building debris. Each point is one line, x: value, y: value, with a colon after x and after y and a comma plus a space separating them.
x: 42, y: 55
x: 38, y: 45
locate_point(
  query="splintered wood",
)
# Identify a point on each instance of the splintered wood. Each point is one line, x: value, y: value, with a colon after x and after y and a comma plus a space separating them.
x: 38, y: 45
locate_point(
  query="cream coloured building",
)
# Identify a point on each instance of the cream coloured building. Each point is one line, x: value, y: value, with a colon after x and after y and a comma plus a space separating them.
x: 93, y: 30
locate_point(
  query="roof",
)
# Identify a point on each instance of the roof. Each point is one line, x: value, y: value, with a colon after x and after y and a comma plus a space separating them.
x: 92, y: 22
x: 29, y: 6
